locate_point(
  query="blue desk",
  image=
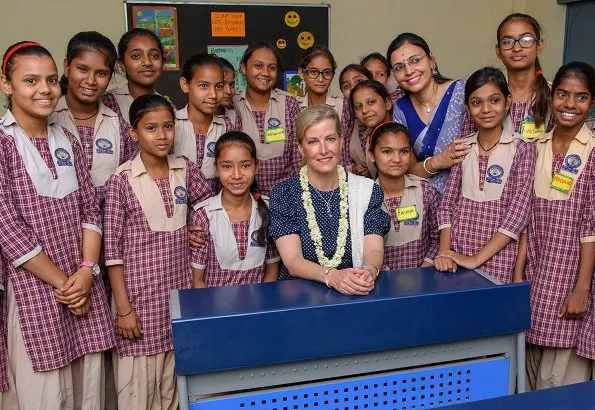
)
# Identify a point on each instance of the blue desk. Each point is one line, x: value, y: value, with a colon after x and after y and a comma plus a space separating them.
x: 579, y: 396
x: 420, y: 337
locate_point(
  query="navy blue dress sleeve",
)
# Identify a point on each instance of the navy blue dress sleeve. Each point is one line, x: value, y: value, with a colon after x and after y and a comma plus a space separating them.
x: 282, y: 208
x: 376, y: 220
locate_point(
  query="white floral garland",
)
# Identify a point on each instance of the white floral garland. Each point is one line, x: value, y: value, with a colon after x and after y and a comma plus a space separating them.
x: 315, y: 234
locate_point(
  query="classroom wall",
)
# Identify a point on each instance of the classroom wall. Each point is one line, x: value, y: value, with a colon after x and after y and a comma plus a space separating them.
x: 461, y: 33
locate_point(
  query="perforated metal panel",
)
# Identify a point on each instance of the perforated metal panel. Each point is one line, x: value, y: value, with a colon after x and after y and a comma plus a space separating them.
x: 420, y: 389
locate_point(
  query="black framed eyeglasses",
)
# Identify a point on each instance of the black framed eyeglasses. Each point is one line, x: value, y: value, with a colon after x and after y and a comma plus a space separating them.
x: 313, y: 73
x: 524, y: 41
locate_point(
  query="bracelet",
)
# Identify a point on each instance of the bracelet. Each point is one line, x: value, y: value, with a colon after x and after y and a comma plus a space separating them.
x: 326, y: 271
x: 125, y: 314
x: 426, y: 168
x: 377, y: 270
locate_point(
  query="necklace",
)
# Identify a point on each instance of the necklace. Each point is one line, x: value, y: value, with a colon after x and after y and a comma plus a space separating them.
x: 315, y: 233
x: 85, y: 119
x: 427, y: 108
x: 327, y: 202
x: 487, y: 150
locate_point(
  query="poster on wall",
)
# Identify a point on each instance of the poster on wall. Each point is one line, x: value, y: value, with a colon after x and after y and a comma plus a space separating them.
x: 293, y: 84
x: 163, y: 21
x: 233, y: 54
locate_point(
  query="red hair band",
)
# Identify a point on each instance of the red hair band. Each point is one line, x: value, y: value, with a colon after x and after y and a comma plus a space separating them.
x: 538, y: 72
x: 14, y: 50
x: 256, y: 196
x: 378, y: 126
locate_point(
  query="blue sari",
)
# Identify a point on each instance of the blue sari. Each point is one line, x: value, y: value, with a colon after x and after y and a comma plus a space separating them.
x: 444, y: 126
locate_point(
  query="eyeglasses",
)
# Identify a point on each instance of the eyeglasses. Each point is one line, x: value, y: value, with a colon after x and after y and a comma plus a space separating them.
x: 525, y: 42
x: 412, y: 61
x: 313, y: 73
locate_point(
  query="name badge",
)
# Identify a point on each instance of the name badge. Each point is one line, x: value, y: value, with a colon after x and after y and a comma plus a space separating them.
x: 530, y: 130
x: 561, y: 182
x: 274, y: 135
x: 406, y: 213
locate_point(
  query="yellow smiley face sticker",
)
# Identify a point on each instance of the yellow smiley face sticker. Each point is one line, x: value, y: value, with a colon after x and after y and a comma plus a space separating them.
x: 281, y: 43
x: 305, y: 39
x: 292, y: 18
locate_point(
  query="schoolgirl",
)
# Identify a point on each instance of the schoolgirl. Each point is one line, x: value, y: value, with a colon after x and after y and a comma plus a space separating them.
x: 350, y: 76
x: 103, y: 134
x: 147, y: 254
x: 519, y: 42
x: 410, y: 201
x: 238, y: 214
x: 227, y: 107
x: 197, y: 126
x: 140, y: 56
x: 561, y: 236
x: 487, y: 200
x: 378, y: 65
x: 268, y: 116
x: 317, y: 68
x: 50, y: 237
x: 372, y: 107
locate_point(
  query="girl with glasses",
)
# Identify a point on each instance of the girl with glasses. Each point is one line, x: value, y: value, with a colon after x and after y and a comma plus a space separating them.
x: 433, y: 109
x: 519, y: 44
x: 317, y: 68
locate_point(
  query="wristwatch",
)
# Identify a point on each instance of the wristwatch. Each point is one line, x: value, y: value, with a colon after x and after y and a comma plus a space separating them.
x: 94, y: 267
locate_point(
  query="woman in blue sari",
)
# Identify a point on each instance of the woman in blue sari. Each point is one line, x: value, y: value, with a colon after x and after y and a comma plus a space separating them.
x: 433, y: 109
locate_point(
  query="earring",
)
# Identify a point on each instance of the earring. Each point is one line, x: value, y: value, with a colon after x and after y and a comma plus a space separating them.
x: 434, y: 72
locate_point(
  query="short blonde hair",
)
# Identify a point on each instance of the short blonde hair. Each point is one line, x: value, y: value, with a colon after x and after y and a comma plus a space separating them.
x: 313, y: 115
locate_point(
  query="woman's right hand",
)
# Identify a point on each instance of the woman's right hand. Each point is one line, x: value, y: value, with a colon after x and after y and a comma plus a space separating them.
x: 453, y: 154
x: 350, y: 281
x: 129, y: 326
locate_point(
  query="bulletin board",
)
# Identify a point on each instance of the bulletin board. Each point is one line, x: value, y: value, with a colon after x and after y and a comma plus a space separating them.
x: 227, y: 29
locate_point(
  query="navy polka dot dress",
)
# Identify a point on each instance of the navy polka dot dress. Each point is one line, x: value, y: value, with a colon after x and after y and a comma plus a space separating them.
x: 288, y: 217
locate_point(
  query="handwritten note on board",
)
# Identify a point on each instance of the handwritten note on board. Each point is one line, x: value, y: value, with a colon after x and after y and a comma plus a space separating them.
x: 226, y: 24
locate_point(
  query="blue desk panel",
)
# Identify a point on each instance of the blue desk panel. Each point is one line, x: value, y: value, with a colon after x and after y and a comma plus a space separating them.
x: 253, y: 325
x: 579, y: 396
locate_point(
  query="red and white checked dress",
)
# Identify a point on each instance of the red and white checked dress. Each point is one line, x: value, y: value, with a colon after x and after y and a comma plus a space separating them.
x: 53, y: 336
x: 206, y: 257
x: 586, y: 338
x: 555, y: 232
x: 474, y: 223
x: 519, y: 111
x: 275, y: 170
x: 412, y: 254
x: 154, y: 261
x: 4, y: 384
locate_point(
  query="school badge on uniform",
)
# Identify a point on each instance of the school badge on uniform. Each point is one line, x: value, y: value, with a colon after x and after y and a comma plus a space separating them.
x: 274, y: 122
x: 211, y: 150
x: 571, y: 163
x: 494, y: 174
x: 63, y: 157
x: 180, y: 194
x: 104, y: 146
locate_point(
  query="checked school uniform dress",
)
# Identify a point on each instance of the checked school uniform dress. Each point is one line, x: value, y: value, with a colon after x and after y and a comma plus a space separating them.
x: 224, y: 263
x: 523, y: 123
x: 413, y: 237
x: 200, y: 148
x: 46, y: 201
x: 273, y: 132
x: 8, y: 396
x: 489, y: 194
x: 343, y: 109
x: 561, y: 219
x: 145, y: 231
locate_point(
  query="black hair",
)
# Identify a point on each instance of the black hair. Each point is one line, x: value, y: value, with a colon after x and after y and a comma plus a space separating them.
x: 374, y: 85
x: 199, y: 60
x: 543, y: 99
x: 315, y: 51
x: 89, y: 41
x: 137, y: 32
x: 384, y: 128
x: 257, y: 46
x: 239, y: 137
x: 379, y: 57
x: 576, y: 69
x: 415, y: 40
x: 226, y: 64
x: 483, y: 76
x: 10, y: 56
x: 147, y: 103
x: 355, y: 67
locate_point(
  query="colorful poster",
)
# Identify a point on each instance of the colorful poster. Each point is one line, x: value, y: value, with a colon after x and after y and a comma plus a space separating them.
x: 233, y: 54
x: 224, y: 24
x: 294, y: 84
x: 164, y: 22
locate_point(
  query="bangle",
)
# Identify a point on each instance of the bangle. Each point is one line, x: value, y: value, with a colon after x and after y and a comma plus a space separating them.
x: 426, y: 168
x: 377, y: 270
x: 326, y: 271
x: 125, y: 314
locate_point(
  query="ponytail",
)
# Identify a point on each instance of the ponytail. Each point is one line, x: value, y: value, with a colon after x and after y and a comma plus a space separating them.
x: 263, y: 211
x: 543, y: 96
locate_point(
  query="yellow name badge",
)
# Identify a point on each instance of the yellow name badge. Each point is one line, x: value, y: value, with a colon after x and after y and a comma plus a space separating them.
x: 561, y: 182
x: 274, y: 135
x: 529, y: 130
x: 405, y: 213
